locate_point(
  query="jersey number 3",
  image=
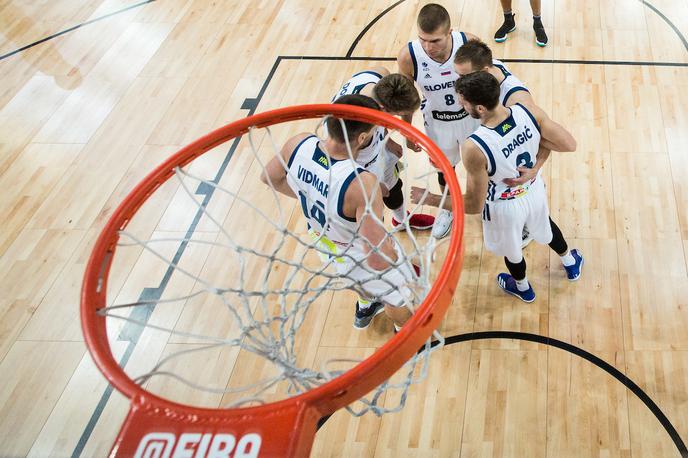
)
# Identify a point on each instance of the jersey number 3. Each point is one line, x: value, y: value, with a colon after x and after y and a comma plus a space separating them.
x: 524, y: 160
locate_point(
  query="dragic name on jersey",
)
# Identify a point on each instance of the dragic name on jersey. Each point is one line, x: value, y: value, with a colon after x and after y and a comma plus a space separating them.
x: 513, y: 143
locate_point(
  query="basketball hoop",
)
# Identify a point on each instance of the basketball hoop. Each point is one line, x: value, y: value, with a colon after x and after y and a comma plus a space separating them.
x: 155, y: 426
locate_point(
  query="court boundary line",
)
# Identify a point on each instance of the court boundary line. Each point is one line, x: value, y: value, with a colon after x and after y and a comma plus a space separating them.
x: 71, y: 29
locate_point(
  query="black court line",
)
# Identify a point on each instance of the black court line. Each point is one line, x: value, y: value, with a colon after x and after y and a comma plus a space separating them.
x: 509, y: 60
x: 666, y: 19
x: 370, y: 24
x: 78, y: 26
x: 602, y: 364
x: 131, y: 332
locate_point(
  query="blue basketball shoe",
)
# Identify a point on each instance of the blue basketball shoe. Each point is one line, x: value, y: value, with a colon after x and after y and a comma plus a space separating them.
x: 573, y: 272
x: 508, y: 284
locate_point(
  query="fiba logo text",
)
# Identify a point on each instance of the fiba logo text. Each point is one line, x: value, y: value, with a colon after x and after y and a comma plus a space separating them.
x: 197, y: 445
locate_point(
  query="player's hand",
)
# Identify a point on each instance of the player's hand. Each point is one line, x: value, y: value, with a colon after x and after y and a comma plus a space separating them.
x: 413, y: 146
x: 417, y: 194
x: 395, y: 148
x: 526, y: 174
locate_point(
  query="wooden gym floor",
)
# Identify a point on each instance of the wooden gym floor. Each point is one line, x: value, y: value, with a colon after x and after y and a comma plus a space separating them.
x: 87, y: 113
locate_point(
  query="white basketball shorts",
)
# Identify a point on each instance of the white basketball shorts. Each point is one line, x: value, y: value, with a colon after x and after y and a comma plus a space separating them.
x: 449, y: 135
x: 385, y: 169
x: 391, y: 287
x: 503, y: 221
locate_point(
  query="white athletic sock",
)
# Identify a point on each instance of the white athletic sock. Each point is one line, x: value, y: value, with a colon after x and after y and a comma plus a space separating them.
x: 397, y: 328
x: 363, y: 304
x: 399, y: 213
x: 522, y: 285
x: 568, y: 259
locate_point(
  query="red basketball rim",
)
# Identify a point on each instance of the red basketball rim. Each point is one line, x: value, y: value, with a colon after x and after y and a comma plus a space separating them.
x: 305, y: 409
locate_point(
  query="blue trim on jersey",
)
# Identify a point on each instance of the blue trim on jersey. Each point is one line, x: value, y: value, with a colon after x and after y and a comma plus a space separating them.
x: 293, y: 153
x: 463, y: 36
x: 503, y: 69
x: 415, y: 63
x: 342, y: 193
x: 532, y: 118
x: 486, y: 212
x: 370, y: 72
x: 483, y: 146
x: 513, y: 90
x: 491, y: 189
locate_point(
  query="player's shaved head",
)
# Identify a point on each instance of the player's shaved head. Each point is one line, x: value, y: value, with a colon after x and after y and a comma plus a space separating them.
x: 353, y: 128
x: 397, y: 94
x: 433, y: 18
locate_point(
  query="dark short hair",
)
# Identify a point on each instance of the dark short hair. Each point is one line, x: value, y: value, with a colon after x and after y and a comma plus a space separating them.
x: 476, y: 52
x: 479, y: 88
x: 353, y: 128
x: 433, y: 16
x: 397, y: 93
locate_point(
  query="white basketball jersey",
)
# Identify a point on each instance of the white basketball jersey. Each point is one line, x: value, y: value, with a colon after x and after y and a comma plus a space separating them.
x: 320, y: 184
x: 509, y: 84
x: 357, y: 82
x: 370, y: 154
x: 512, y: 144
x: 436, y: 81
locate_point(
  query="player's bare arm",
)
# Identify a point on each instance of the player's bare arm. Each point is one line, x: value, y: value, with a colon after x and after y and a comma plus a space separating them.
x: 275, y: 173
x: 365, y: 188
x: 405, y: 64
x: 527, y: 174
x: 476, y: 178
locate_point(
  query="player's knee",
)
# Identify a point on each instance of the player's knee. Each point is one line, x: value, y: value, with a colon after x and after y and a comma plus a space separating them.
x: 441, y: 180
x: 395, y: 197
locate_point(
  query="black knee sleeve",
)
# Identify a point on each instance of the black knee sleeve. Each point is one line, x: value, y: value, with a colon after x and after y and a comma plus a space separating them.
x: 558, y: 244
x: 441, y: 180
x: 518, y: 270
x: 395, y: 198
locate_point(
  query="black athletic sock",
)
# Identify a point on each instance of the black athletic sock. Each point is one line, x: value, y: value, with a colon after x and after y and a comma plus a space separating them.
x: 558, y: 243
x: 518, y: 270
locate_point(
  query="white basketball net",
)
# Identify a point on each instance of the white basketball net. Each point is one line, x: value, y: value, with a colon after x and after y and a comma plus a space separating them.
x: 277, y: 282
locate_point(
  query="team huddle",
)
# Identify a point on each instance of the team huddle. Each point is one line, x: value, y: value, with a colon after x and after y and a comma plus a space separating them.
x: 478, y: 114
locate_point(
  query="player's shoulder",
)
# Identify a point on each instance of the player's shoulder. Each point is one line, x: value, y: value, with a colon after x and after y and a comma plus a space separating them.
x: 361, y: 183
x: 469, y: 36
x: 299, y: 138
x: 471, y: 154
x: 294, y: 142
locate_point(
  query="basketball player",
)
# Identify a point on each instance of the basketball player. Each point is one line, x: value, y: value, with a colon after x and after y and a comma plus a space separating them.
x: 333, y: 191
x: 428, y: 61
x: 397, y: 96
x: 476, y: 56
x: 506, y: 139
